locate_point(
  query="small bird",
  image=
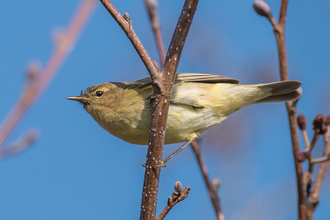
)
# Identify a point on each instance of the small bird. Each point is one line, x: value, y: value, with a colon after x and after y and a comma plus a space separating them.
x: 198, y: 101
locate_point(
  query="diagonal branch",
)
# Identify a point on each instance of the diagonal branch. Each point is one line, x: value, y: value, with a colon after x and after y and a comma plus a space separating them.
x: 126, y: 24
x: 152, y: 8
x: 22, y: 144
x: 210, y: 188
x: 177, y: 196
x: 313, y: 199
x: 65, y: 43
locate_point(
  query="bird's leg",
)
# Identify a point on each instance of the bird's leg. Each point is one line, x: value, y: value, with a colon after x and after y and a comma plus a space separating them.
x: 188, y: 104
x: 192, y: 137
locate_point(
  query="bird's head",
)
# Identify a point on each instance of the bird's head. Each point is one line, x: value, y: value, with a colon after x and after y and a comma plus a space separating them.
x: 98, y: 97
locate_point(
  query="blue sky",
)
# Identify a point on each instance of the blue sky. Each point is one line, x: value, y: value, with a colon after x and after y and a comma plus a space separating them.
x: 77, y: 170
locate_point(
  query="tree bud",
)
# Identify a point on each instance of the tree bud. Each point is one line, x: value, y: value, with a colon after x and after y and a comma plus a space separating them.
x: 302, y: 121
x: 262, y: 9
x: 327, y: 120
x: 319, y: 124
x: 301, y: 156
x: 178, y: 186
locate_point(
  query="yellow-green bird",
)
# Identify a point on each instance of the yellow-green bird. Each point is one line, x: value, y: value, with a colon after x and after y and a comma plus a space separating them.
x: 198, y: 101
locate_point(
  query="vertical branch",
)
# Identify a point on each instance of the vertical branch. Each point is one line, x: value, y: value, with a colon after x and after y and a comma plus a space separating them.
x: 64, y: 45
x: 263, y: 9
x: 279, y: 31
x: 162, y: 88
x: 152, y: 8
x: 283, y: 10
x: 210, y: 188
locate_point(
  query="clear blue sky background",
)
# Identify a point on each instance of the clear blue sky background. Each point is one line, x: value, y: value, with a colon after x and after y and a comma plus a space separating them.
x: 77, y: 170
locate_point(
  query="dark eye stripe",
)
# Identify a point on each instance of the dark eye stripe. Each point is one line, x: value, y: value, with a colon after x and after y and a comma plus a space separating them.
x: 99, y: 93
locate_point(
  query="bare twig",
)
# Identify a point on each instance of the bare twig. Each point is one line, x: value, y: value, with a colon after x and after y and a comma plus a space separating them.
x: 284, y: 7
x: 210, y: 188
x: 306, y: 140
x: 311, y: 161
x: 177, y: 196
x: 126, y: 24
x: 152, y: 8
x: 65, y: 43
x: 23, y: 143
x: 313, y: 199
x: 279, y: 30
x: 320, y: 160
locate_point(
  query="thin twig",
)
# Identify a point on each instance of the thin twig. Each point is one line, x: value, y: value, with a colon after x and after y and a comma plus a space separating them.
x: 279, y: 31
x: 306, y: 140
x: 64, y: 45
x: 263, y: 9
x: 313, y: 199
x: 314, y: 140
x: 284, y: 7
x: 311, y: 161
x: 210, y: 188
x: 320, y: 160
x: 22, y: 144
x: 152, y: 7
x: 126, y: 24
x: 177, y: 196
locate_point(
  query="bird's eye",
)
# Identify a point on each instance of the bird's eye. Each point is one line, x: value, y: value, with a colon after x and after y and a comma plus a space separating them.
x: 99, y: 93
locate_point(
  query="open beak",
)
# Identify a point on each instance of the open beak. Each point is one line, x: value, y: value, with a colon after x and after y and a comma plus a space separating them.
x: 80, y: 99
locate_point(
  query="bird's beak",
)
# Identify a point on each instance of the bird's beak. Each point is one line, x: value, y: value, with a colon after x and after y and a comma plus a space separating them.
x: 80, y: 99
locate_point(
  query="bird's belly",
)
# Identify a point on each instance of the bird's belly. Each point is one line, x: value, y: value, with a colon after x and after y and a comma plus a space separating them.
x: 182, y: 121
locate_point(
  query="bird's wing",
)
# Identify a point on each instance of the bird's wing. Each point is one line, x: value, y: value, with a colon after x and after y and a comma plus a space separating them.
x: 188, y: 77
x: 204, y: 78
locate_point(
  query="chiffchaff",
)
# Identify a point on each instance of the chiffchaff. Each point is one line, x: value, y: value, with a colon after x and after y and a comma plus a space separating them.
x: 198, y: 101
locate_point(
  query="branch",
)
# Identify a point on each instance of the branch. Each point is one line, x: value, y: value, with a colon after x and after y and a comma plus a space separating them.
x: 313, y: 199
x: 152, y: 8
x: 279, y: 30
x: 320, y: 160
x: 177, y: 196
x: 126, y: 24
x: 311, y: 161
x: 210, y: 187
x: 22, y: 144
x: 162, y: 88
x: 283, y: 11
x: 64, y: 45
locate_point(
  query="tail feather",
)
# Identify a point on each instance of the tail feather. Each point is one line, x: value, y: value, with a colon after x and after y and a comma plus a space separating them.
x: 283, y: 91
x: 282, y: 87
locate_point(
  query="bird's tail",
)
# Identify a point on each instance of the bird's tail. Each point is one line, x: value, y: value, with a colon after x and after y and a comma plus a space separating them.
x: 283, y: 91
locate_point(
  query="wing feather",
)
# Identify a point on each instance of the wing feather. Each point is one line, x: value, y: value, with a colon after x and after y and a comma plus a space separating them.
x: 187, y: 77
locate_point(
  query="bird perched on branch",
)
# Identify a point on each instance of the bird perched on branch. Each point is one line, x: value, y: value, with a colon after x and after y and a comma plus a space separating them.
x: 198, y: 101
